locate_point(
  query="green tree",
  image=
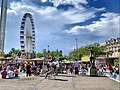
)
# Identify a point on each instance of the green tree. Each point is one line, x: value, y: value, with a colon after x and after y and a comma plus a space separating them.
x: 2, y: 54
x: 79, y: 53
x: 14, y: 52
x: 72, y: 55
x: 56, y: 54
x: 39, y: 55
x: 7, y: 55
x: 95, y: 51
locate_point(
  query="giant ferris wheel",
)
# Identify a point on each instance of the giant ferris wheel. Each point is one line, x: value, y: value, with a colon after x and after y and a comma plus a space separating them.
x: 27, y: 34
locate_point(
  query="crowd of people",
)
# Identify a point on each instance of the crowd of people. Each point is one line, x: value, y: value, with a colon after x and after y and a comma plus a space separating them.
x: 13, y: 68
x: 9, y: 70
x: 76, y: 68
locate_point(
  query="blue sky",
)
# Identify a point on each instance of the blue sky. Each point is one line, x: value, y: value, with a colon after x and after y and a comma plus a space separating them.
x: 59, y: 22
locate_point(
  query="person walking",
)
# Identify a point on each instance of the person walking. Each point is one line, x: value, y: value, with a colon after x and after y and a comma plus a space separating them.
x: 76, y: 66
x: 110, y: 68
x: 28, y: 70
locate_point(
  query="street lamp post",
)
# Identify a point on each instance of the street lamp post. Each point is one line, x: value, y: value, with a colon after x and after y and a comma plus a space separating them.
x: 48, y: 47
x: 48, y: 53
x: 76, y: 44
x: 43, y: 65
x: 76, y: 48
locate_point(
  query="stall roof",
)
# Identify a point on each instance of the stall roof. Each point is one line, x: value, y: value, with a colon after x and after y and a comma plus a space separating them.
x: 85, y: 59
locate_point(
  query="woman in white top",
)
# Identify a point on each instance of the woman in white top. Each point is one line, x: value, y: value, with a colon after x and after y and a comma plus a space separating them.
x: 10, y: 73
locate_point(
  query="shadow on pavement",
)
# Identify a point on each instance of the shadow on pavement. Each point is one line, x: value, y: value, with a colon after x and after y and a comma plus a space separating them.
x: 59, y: 79
x: 65, y: 75
x: 92, y: 76
x: 59, y: 75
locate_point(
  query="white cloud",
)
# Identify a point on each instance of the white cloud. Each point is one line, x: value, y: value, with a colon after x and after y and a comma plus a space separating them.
x: 47, y: 20
x: 59, y: 2
x: 44, y: 0
x: 48, y: 12
x: 20, y: 7
x: 104, y: 27
x: 75, y: 16
x: 52, y: 13
x: 75, y: 30
x: 71, y: 2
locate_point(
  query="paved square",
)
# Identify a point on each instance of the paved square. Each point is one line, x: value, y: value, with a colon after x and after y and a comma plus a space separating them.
x: 61, y: 82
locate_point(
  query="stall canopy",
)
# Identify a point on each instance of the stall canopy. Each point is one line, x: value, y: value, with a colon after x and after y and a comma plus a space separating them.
x: 5, y: 58
x: 101, y: 61
x: 30, y: 60
x: 34, y: 59
x: 85, y: 59
x: 65, y: 61
x: 1, y: 58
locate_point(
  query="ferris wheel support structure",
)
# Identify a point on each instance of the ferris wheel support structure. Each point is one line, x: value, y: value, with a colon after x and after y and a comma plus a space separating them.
x: 27, y: 36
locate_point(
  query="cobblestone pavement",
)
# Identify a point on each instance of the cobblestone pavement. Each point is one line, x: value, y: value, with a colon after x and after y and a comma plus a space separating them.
x: 61, y: 82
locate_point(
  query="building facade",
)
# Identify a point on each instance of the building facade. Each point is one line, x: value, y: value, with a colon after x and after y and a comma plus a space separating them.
x: 112, y: 49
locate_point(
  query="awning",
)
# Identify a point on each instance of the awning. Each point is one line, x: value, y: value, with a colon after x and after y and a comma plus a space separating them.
x: 34, y: 59
x: 85, y: 59
x: 9, y: 58
x: 65, y: 61
x: 1, y: 58
x: 101, y: 61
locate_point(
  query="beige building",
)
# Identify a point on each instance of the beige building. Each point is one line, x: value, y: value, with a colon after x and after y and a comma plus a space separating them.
x: 113, y: 46
x: 112, y: 49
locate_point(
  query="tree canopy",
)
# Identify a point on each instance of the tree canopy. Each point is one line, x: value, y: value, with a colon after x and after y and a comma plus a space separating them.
x: 13, y: 52
x: 93, y: 49
x: 39, y: 55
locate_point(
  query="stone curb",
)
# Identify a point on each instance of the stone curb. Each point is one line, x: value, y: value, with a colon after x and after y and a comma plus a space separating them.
x: 112, y: 78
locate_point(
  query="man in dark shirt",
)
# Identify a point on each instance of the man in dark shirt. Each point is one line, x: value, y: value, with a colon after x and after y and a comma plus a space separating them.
x: 28, y: 70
